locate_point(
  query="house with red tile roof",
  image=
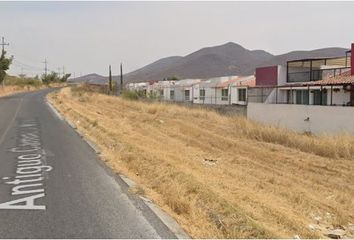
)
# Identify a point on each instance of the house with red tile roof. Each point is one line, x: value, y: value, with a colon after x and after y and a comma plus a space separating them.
x: 307, y: 95
x: 314, y: 81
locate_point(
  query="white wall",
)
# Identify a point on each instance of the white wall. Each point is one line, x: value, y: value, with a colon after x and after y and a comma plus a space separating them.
x: 321, y: 119
x: 339, y: 98
x: 281, y: 75
x: 196, y: 93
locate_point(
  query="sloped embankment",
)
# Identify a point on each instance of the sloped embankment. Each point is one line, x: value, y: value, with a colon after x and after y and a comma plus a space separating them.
x: 218, y: 176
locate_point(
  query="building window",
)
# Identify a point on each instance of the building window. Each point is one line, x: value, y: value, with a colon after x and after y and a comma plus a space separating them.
x: 302, y: 97
x: 172, y: 94
x: 186, y: 95
x: 320, y: 97
x: 242, y: 95
x: 161, y: 92
x: 224, y: 94
x: 202, y: 94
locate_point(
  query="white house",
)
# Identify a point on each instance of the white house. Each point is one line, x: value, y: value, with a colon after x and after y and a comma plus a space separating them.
x: 239, y: 89
x: 214, y: 90
x: 180, y: 91
x: 139, y: 87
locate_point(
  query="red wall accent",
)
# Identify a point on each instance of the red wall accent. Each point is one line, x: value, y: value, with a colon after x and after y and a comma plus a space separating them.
x: 267, y: 76
x: 352, y: 58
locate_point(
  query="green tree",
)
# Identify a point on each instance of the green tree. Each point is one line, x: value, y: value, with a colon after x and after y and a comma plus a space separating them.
x: 50, y: 78
x: 4, y: 66
x: 65, y: 77
x: 174, y: 77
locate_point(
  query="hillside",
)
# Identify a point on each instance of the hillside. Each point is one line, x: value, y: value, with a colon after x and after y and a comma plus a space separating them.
x: 283, y: 58
x: 227, y: 59
x: 90, y: 78
x: 223, y: 60
x: 152, y: 70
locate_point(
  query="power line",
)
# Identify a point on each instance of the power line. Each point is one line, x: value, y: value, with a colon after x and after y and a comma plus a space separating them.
x: 26, y: 65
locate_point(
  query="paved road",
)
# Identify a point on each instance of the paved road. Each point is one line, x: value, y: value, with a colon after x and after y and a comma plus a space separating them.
x: 53, y: 186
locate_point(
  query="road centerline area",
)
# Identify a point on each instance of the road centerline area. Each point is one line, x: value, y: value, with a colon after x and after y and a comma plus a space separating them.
x: 11, y: 122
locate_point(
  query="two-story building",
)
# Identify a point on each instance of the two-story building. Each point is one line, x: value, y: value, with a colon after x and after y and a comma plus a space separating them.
x: 308, y: 95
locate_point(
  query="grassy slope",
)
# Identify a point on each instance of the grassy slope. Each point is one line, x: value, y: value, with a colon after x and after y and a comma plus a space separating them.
x: 263, y: 182
x: 8, y: 90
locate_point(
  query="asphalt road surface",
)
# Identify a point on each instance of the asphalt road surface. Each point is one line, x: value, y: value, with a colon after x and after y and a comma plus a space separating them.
x: 52, y: 185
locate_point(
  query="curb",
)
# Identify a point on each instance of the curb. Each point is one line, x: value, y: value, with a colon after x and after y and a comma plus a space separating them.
x: 92, y: 145
x: 174, y: 227
x: 166, y: 219
x: 55, y: 111
x: 71, y: 124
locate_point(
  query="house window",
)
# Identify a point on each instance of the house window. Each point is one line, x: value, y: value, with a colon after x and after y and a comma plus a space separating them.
x: 224, y: 94
x: 202, y: 94
x: 161, y: 92
x: 186, y: 95
x: 302, y: 97
x: 242, y: 95
x: 172, y: 94
x: 320, y: 97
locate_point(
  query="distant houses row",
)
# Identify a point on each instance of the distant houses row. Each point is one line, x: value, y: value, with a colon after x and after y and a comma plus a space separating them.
x: 314, y: 81
x: 305, y: 95
x: 219, y: 91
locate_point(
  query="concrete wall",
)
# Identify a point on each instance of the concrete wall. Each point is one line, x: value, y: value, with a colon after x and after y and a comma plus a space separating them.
x: 304, y: 118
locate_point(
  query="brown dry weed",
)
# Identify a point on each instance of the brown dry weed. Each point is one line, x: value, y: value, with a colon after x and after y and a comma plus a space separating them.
x: 219, y: 176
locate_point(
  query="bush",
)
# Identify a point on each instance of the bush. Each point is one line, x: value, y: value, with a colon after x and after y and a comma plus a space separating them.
x: 22, y: 82
x: 130, y: 95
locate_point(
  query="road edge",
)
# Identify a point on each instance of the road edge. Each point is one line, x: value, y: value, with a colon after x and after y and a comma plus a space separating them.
x: 164, y: 217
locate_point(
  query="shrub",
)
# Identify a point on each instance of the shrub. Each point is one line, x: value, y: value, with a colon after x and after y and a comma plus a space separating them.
x: 130, y: 95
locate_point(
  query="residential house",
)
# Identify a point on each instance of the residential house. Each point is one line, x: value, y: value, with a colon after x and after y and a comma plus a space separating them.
x: 239, y: 89
x: 307, y: 95
x: 214, y: 90
x: 180, y: 91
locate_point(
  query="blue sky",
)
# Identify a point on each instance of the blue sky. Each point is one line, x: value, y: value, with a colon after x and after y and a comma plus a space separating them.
x: 87, y: 36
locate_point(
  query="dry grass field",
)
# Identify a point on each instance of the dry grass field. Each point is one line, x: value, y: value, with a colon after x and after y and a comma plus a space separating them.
x: 8, y: 90
x: 219, y: 176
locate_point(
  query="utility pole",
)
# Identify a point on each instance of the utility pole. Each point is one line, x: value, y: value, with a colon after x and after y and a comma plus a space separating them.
x: 121, y: 78
x: 45, y: 68
x: 110, y: 79
x: 3, y: 44
x: 63, y: 70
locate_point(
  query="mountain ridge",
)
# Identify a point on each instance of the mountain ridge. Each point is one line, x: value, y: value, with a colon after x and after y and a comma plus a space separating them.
x: 222, y: 60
